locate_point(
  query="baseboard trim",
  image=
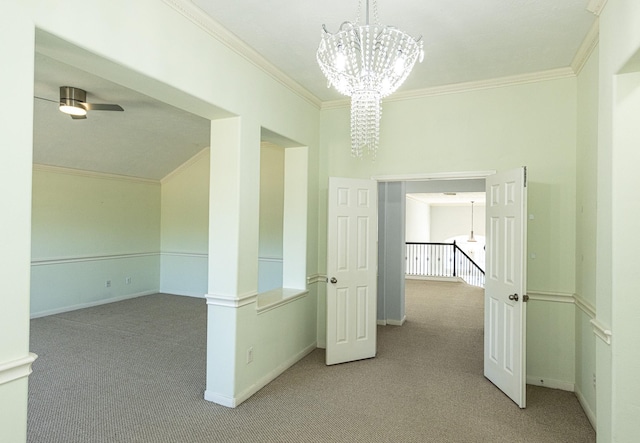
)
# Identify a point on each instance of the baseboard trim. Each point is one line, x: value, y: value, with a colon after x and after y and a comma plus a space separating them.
x: 92, y: 304
x: 16, y: 369
x: 587, y: 409
x: 551, y: 383
x: 222, y: 400
x: 233, y: 402
x: 182, y: 293
x: 445, y: 279
x: 397, y: 322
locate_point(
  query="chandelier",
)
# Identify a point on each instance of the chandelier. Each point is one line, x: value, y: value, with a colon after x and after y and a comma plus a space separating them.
x: 367, y: 62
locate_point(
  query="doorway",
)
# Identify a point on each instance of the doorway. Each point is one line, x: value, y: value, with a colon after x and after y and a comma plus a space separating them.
x: 392, y: 228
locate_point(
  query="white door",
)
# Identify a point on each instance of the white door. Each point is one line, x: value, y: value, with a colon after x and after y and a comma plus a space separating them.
x: 505, y: 285
x: 351, y: 270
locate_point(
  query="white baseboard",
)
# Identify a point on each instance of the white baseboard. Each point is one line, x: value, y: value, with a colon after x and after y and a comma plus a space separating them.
x: 551, y: 383
x: 232, y: 402
x: 91, y: 304
x: 587, y: 409
x: 445, y: 279
x: 391, y: 322
x: 397, y: 322
x: 223, y: 400
x: 183, y: 293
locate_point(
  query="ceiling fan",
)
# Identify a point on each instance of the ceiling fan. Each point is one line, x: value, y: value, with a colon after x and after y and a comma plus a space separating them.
x: 73, y: 101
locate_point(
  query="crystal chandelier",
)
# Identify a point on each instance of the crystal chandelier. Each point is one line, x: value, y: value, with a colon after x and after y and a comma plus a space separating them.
x: 367, y: 62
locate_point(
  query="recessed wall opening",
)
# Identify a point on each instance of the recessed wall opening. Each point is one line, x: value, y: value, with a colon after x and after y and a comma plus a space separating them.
x: 283, y: 214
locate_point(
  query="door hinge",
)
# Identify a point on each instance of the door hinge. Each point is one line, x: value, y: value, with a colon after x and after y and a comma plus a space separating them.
x: 525, y: 298
x: 525, y: 176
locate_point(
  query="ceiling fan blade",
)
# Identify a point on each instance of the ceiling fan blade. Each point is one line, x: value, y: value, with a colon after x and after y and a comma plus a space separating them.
x: 101, y: 107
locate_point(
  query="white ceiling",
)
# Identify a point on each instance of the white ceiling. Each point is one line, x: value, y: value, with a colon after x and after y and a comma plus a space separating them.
x: 465, y: 41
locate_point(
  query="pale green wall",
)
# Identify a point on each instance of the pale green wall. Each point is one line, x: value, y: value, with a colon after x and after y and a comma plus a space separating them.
x: 87, y: 229
x: 78, y: 216
x: 493, y: 129
x: 185, y: 228
x: 271, y: 217
x: 586, y: 253
x: 271, y: 200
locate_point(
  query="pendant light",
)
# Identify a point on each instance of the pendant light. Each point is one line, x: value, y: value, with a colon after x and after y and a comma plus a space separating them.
x: 471, y: 238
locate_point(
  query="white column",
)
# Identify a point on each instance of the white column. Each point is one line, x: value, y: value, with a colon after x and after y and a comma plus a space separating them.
x: 233, y: 251
x: 16, y: 148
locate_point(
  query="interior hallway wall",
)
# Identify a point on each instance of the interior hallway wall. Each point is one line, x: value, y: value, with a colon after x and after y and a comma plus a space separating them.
x: 502, y: 128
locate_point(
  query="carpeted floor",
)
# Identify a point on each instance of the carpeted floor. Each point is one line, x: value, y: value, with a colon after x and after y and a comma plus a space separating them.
x: 134, y: 371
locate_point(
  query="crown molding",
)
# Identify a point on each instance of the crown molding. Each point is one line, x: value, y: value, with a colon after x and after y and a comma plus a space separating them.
x: 500, y: 82
x: 185, y: 165
x: 596, y: 6
x: 586, y: 48
x: 92, y: 174
x: 224, y: 36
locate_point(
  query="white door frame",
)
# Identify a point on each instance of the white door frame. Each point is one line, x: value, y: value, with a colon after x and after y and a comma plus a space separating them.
x: 467, y: 175
x: 433, y: 176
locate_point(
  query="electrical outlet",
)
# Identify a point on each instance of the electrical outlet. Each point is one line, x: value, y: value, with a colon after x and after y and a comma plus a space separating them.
x: 107, y: 284
x: 127, y: 280
x: 250, y: 354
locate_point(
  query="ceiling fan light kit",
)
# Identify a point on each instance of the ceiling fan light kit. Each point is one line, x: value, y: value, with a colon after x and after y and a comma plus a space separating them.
x: 73, y: 101
x: 367, y: 62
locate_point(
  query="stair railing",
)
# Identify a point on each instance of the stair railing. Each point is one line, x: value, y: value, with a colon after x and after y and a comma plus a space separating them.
x: 442, y: 260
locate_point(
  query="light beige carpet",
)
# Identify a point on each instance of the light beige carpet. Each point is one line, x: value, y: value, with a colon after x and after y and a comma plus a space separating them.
x: 134, y: 371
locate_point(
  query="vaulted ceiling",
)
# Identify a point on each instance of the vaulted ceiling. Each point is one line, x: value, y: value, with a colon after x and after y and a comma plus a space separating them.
x: 465, y: 41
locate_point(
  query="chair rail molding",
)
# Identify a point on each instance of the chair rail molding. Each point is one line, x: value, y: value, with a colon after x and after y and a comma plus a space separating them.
x: 601, y: 331
x: 16, y: 369
x: 231, y: 301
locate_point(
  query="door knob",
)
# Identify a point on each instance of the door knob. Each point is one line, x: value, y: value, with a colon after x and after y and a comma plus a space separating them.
x: 513, y: 297
x: 333, y: 280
